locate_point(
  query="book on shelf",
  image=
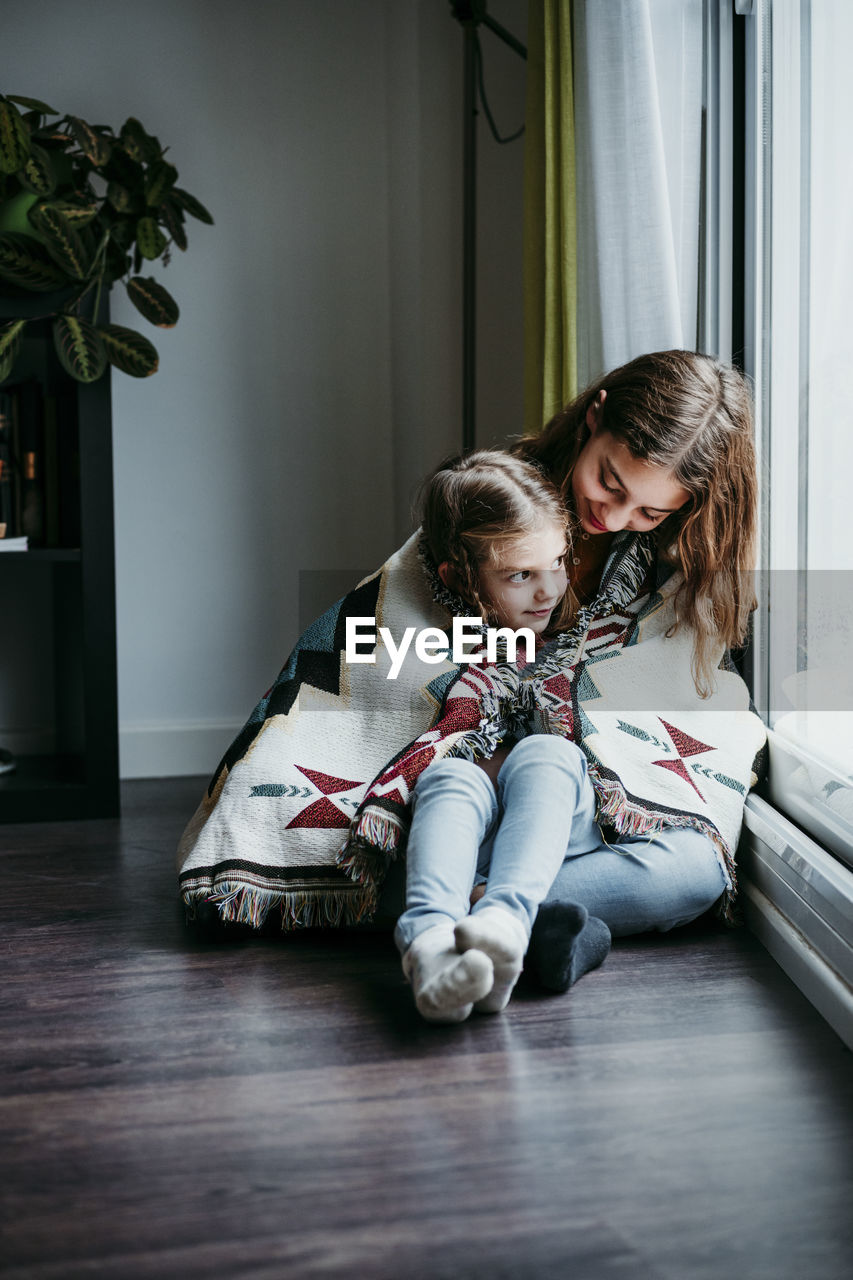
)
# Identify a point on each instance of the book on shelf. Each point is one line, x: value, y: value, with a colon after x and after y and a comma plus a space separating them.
x: 34, y: 457
x: 7, y: 487
x: 50, y: 473
x: 29, y: 447
x: 20, y: 543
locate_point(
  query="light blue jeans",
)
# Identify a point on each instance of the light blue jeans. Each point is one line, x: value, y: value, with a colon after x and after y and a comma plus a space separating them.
x: 535, y: 837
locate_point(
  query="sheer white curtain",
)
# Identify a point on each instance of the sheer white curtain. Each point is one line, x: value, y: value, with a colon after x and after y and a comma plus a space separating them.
x: 638, y: 116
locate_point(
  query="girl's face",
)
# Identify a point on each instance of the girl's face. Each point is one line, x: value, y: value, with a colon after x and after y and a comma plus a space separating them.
x: 529, y: 580
x: 613, y: 490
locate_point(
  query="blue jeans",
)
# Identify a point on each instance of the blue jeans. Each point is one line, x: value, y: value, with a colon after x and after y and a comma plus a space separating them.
x: 535, y: 838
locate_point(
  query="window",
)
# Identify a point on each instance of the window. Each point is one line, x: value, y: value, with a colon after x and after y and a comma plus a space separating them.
x: 799, y: 350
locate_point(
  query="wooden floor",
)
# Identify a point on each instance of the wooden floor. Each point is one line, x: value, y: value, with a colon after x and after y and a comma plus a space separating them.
x: 175, y: 1107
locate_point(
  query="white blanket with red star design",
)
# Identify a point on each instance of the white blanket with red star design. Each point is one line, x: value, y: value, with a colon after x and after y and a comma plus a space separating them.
x: 621, y: 687
x: 312, y: 800
x: 266, y: 835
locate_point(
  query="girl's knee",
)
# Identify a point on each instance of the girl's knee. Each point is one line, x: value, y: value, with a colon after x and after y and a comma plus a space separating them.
x: 645, y: 884
x: 689, y: 879
x: 545, y: 748
x: 453, y: 773
x: 447, y: 767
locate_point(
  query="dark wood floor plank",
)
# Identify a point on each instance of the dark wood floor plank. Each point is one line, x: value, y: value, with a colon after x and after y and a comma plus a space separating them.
x: 173, y: 1105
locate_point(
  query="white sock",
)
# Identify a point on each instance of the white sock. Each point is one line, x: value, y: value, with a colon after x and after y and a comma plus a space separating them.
x: 499, y: 935
x: 445, y: 983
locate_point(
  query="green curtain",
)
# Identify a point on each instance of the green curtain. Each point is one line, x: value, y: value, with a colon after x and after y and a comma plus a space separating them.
x: 550, y: 232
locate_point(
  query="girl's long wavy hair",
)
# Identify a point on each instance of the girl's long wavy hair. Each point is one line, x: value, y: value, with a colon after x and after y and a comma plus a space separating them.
x: 475, y: 505
x: 691, y: 415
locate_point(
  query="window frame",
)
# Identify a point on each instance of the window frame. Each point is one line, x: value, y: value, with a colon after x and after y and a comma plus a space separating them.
x: 797, y: 891
x: 776, y: 161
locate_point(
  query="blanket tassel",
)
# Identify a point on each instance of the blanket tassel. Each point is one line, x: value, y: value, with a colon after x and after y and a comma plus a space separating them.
x: 300, y: 908
x: 374, y: 840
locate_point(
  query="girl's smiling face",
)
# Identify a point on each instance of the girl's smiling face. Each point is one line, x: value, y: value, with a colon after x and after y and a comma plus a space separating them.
x: 528, y: 581
x: 613, y: 490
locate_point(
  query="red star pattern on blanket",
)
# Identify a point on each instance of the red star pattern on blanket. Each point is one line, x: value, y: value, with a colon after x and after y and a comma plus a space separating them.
x: 685, y: 745
x: 395, y: 785
x: 323, y: 813
x: 559, y: 687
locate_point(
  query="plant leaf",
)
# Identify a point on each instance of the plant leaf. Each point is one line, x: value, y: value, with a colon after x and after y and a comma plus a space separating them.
x: 138, y: 144
x: 14, y: 138
x: 91, y: 143
x: 117, y: 262
x: 119, y: 197
x: 149, y: 238
x: 33, y: 104
x: 24, y: 262
x: 123, y: 234
x: 79, y: 347
x: 153, y: 301
x: 79, y: 215
x: 61, y: 161
x: 37, y: 172
x: 61, y: 240
x: 158, y: 180
x: 125, y: 171
x: 10, y: 344
x: 129, y: 351
x: 171, y: 215
x: 192, y: 206
x: 7, y: 364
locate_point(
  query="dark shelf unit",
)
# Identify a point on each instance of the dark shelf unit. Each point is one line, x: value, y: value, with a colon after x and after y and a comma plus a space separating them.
x: 73, y: 584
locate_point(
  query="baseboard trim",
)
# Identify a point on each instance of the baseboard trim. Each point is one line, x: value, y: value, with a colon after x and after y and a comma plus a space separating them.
x: 819, y: 983
x: 174, y: 750
x: 798, y: 900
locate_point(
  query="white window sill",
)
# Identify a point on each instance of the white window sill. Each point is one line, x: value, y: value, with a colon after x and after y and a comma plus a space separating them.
x: 798, y: 900
x: 809, y: 778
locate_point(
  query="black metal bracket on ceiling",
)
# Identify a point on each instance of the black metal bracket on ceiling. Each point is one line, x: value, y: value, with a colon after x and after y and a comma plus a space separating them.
x: 472, y: 14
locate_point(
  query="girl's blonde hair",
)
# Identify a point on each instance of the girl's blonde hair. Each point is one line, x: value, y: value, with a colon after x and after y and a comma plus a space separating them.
x: 475, y: 505
x: 691, y: 415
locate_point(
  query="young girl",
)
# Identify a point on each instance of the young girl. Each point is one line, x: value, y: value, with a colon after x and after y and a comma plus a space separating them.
x: 497, y: 531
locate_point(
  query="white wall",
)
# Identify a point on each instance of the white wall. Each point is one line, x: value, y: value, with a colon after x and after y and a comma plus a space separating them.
x: 315, y: 374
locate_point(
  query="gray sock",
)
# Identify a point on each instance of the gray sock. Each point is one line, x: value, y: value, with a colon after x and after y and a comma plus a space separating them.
x: 565, y: 944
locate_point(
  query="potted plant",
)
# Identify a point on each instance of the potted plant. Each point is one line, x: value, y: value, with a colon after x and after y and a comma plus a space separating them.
x: 82, y: 207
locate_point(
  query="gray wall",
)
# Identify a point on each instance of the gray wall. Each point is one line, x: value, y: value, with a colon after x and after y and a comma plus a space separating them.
x: 315, y: 374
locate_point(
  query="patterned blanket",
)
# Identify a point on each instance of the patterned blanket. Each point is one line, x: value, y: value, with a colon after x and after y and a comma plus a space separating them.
x: 268, y: 832
x: 312, y: 798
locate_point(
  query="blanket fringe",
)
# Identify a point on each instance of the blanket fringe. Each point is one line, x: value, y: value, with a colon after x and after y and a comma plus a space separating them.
x: 503, y: 715
x: 476, y: 744
x: 237, y: 903
x: 374, y: 841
